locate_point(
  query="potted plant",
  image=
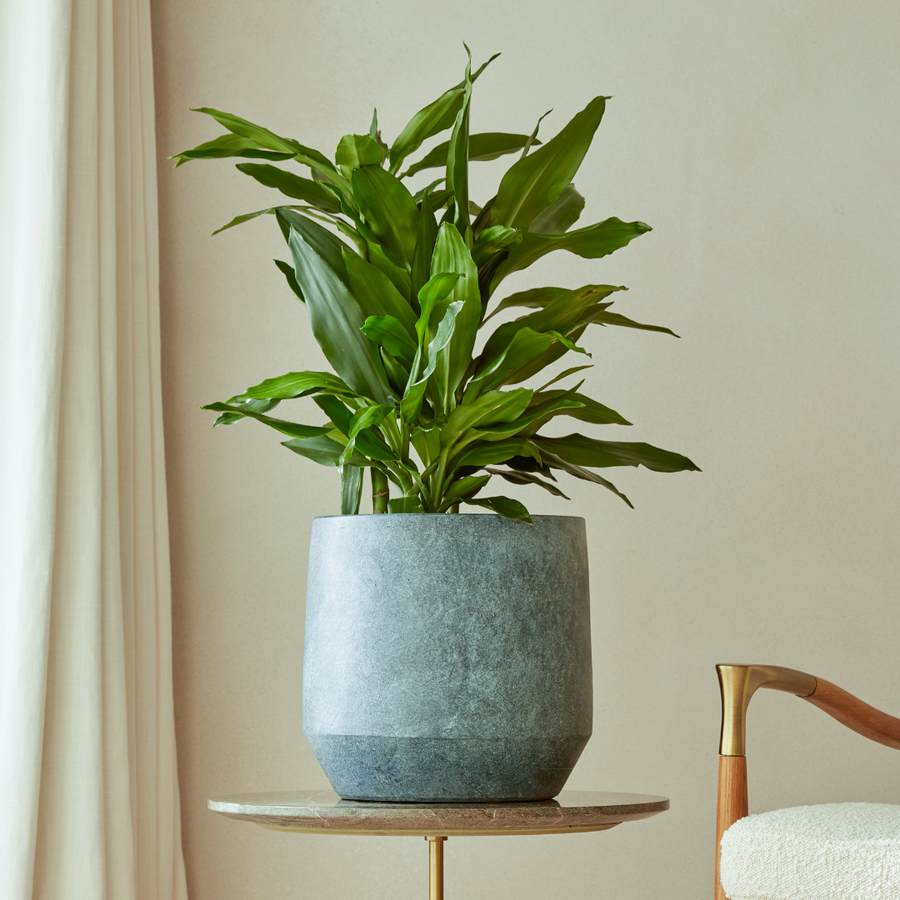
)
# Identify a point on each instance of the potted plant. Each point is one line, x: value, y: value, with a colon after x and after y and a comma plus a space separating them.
x: 447, y: 656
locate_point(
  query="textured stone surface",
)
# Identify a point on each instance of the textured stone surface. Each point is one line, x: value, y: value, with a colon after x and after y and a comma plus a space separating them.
x: 324, y: 811
x: 447, y: 657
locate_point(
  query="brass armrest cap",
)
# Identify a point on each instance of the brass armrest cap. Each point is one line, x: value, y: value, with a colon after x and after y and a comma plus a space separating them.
x: 738, y: 683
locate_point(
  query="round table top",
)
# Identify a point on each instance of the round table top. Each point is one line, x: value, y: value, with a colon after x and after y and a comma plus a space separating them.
x: 324, y: 812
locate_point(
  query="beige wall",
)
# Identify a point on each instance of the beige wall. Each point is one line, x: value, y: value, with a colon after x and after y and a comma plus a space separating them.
x: 760, y: 140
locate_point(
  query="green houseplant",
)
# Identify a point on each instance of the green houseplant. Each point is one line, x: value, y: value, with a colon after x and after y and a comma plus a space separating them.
x: 447, y: 657
x: 398, y: 288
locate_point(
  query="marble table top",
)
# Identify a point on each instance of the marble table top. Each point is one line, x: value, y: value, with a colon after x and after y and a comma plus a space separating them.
x: 324, y: 812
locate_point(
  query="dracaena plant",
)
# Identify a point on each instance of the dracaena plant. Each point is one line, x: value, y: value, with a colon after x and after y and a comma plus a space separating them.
x: 398, y: 284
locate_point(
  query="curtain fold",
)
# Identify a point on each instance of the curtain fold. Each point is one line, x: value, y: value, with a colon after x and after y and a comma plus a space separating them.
x: 88, y: 787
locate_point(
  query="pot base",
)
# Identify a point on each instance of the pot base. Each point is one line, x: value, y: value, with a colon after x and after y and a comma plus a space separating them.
x: 446, y: 770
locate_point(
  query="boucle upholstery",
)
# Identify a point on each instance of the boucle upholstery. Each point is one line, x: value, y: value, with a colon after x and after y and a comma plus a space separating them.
x: 835, y: 851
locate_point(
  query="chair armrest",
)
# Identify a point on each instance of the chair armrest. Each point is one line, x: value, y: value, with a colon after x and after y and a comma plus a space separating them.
x: 738, y: 683
x: 851, y: 711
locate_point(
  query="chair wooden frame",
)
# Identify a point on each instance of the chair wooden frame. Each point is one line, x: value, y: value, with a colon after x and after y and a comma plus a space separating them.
x: 738, y: 683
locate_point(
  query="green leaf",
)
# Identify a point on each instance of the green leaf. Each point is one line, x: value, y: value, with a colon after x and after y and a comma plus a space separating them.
x: 589, y: 410
x: 367, y: 417
x: 256, y: 406
x: 557, y: 462
x: 299, y: 211
x: 366, y: 441
x: 564, y: 374
x: 482, y: 147
x: 610, y: 318
x: 287, y: 270
x: 388, y: 332
x: 438, y: 116
x: 413, y: 397
x: 437, y: 288
x: 458, y: 156
x: 323, y: 243
x: 355, y: 150
x: 426, y: 234
x: 592, y: 242
x: 294, y: 384
x: 405, y: 505
x: 532, y: 138
x: 514, y: 476
x: 389, y: 210
x: 322, y: 450
x: 246, y: 217
x: 585, y: 451
x: 336, y: 318
x: 452, y: 255
x: 375, y: 134
x: 228, y: 145
x: 493, y: 240
x: 490, y: 453
x: 319, y: 175
x: 292, y: 429
x: 411, y: 403
x: 397, y: 372
x: 351, y: 489
x: 534, y: 298
x: 559, y: 315
x: 442, y: 336
x: 268, y: 140
x: 340, y: 414
x: 427, y: 442
x: 560, y: 215
x: 463, y: 488
x: 537, y: 180
x: 419, y: 196
x: 530, y: 463
x: 489, y: 409
x: 375, y: 292
x: 440, y: 199
x: 397, y: 275
x: 483, y: 220
x: 550, y: 355
x: 568, y: 344
x: 528, y: 422
x: 503, y: 506
x: 292, y: 185
x: 525, y: 345
x: 348, y: 451
x: 564, y: 344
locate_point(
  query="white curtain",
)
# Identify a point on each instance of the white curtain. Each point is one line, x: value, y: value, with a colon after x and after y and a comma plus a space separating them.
x: 88, y: 789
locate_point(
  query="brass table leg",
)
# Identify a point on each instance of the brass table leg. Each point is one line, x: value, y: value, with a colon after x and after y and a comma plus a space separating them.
x: 436, y: 867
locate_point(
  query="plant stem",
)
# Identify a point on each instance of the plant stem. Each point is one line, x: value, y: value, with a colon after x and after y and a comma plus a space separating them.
x: 380, y: 491
x: 395, y: 438
x: 401, y: 477
x: 437, y: 480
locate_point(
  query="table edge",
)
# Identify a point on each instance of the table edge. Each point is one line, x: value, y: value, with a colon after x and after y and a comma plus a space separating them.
x: 376, y: 820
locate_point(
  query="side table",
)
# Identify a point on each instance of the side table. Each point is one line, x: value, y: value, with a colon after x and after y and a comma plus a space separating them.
x: 323, y: 812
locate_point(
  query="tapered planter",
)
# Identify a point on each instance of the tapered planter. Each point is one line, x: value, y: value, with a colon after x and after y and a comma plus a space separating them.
x: 447, y: 657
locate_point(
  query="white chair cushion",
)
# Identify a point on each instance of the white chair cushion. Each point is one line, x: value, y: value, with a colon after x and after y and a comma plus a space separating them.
x: 836, y: 851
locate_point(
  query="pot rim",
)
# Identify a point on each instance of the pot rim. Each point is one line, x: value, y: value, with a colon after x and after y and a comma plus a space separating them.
x: 448, y: 516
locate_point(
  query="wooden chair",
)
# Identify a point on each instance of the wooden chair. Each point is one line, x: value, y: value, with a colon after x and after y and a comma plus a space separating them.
x: 840, y: 824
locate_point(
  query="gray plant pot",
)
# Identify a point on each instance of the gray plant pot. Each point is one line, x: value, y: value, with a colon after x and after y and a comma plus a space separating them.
x: 447, y: 657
